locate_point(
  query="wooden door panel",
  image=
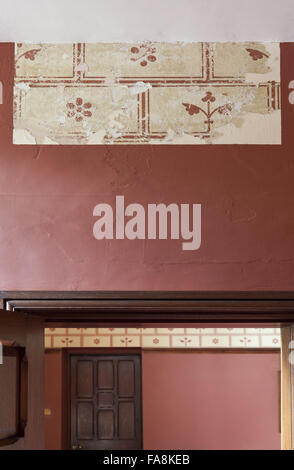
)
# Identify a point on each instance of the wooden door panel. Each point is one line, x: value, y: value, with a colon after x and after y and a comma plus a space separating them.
x: 105, y: 399
x: 105, y: 424
x: 85, y: 421
x: 126, y: 378
x: 106, y: 402
x: 126, y: 420
x: 85, y: 379
x: 105, y: 370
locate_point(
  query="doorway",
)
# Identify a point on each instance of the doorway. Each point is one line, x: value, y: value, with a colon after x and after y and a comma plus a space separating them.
x: 193, y: 398
x: 136, y: 310
x: 105, y: 401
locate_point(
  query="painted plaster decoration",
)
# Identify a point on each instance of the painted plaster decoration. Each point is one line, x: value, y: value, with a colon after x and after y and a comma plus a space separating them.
x: 255, y: 54
x: 147, y: 93
x: 144, y: 53
x: 28, y: 54
x: 150, y: 338
x: 78, y: 110
x: 208, y: 99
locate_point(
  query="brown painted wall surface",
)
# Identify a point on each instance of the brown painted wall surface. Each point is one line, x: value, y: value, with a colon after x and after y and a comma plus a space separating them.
x: 210, y: 401
x: 48, y: 194
x: 53, y: 400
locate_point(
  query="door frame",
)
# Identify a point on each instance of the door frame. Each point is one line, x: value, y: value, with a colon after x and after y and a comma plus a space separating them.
x: 66, y: 388
x: 136, y: 308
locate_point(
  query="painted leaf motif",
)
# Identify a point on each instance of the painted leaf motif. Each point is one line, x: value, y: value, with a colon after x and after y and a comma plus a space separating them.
x: 191, y: 108
x: 225, y: 109
x: 31, y: 54
x: 255, y: 54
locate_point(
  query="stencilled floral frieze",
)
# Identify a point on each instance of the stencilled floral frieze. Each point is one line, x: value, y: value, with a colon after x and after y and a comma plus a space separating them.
x: 154, y: 338
x: 147, y: 93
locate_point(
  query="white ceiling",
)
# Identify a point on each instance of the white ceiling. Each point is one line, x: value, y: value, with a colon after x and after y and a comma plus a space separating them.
x: 156, y: 20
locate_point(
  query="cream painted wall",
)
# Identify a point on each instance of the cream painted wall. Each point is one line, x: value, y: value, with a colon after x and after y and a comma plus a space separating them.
x: 156, y: 20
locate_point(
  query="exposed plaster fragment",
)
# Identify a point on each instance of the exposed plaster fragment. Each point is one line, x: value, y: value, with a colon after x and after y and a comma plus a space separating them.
x: 82, y: 68
x: 97, y: 137
x: 272, y: 66
x: 29, y: 134
x: 258, y: 126
x: 23, y: 137
x: 181, y: 139
x: 24, y: 87
x: 159, y: 93
x: 140, y: 87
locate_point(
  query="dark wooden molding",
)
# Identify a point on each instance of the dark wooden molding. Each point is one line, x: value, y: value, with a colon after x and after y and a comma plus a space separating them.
x: 135, y: 350
x: 21, y: 385
x: 143, y: 295
x: 211, y: 350
x: 137, y: 307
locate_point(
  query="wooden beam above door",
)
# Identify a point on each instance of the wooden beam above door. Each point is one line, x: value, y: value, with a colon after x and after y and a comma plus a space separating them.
x: 275, y: 308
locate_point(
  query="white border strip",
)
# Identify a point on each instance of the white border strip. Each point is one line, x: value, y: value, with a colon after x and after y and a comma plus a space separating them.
x: 137, y: 20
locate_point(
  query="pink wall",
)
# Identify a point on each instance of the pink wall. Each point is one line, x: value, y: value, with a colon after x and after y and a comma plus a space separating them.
x: 193, y: 400
x: 210, y: 400
x: 48, y: 194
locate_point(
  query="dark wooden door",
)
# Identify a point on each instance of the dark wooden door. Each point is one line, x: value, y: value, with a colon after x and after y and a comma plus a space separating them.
x: 106, y: 402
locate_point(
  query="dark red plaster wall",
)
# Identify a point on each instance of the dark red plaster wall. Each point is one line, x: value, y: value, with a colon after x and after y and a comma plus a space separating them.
x: 210, y: 401
x: 47, y: 196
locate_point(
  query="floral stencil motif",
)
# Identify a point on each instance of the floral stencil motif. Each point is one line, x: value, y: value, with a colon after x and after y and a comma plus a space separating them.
x: 186, y: 341
x: 245, y: 341
x: 29, y: 55
x: 208, y: 98
x: 67, y: 341
x: 79, y: 109
x: 126, y: 341
x: 144, y: 53
x: 198, y: 338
